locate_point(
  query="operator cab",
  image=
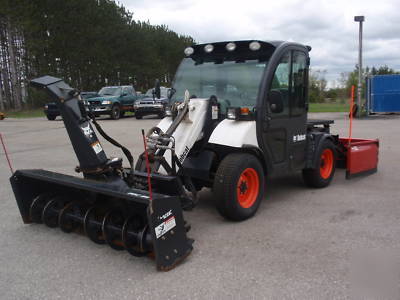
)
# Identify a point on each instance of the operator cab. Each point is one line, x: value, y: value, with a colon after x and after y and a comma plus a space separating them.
x: 257, y: 81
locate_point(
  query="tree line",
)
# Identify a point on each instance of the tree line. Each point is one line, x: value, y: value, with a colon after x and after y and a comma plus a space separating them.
x: 90, y: 44
x: 318, y: 91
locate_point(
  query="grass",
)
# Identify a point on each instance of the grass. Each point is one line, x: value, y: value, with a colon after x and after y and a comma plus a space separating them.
x: 314, y: 107
x: 329, y: 107
x: 28, y: 113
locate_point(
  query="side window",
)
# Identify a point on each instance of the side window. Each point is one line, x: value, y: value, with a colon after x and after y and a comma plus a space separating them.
x: 280, y: 85
x: 132, y: 90
x: 298, y: 90
x: 125, y: 90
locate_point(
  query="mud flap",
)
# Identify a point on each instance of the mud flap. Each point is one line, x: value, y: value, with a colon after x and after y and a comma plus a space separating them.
x: 360, y: 156
x: 108, y: 212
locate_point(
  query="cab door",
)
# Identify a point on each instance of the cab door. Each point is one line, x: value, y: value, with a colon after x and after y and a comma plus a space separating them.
x: 298, y: 110
x: 282, y: 134
x: 275, y: 114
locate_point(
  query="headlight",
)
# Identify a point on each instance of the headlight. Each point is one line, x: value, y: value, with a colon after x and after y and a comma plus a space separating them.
x: 240, y: 114
x: 232, y: 113
x: 46, y: 107
x: 105, y: 102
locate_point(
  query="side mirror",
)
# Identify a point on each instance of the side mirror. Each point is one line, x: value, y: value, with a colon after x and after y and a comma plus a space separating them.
x: 275, y: 100
x: 157, y: 89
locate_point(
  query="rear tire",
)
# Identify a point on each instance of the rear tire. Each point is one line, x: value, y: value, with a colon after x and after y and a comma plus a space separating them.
x: 51, y: 118
x: 122, y: 114
x: 139, y: 117
x: 115, y: 112
x: 239, y: 186
x: 322, y: 175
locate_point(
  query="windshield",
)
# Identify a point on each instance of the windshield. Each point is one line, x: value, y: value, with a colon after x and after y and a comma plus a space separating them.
x: 233, y: 83
x: 110, y: 91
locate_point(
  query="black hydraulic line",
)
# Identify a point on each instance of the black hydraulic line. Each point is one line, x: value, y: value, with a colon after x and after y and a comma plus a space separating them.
x: 127, y: 153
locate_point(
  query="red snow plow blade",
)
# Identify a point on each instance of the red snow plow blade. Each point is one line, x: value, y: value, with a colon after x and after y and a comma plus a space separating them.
x: 360, y: 156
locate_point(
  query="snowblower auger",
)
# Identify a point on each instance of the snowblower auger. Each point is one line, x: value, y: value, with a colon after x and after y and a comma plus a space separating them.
x: 104, y: 204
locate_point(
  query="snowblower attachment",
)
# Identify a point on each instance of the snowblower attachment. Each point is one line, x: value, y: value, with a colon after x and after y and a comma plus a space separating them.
x: 105, y: 204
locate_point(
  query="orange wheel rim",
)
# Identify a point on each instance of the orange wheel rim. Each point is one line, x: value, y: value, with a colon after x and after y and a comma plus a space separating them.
x: 247, y: 187
x: 326, y: 163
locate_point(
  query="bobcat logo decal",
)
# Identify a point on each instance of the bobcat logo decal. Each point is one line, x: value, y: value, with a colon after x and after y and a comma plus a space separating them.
x: 87, y: 131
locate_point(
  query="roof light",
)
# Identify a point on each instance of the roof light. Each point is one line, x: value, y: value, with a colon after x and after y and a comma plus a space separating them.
x: 208, y: 48
x: 189, y: 51
x: 254, y: 46
x: 230, y: 46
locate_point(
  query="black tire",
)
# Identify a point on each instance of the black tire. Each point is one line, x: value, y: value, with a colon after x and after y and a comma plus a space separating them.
x: 138, y: 116
x: 51, y: 118
x: 161, y: 115
x: 321, y: 176
x: 226, y: 183
x: 115, y: 112
x: 122, y: 114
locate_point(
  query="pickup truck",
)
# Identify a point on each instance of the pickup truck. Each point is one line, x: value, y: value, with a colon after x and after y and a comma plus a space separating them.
x: 150, y: 105
x: 113, y: 101
x: 51, y: 109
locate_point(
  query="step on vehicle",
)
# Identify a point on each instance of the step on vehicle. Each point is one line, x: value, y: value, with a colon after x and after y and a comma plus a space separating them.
x: 238, y: 117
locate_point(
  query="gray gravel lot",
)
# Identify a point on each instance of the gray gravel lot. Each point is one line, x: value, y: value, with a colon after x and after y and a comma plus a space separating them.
x: 299, y: 244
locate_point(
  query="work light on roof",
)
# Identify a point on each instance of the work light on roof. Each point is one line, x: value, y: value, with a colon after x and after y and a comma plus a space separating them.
x: 188, y: 51
x: 230, y: 47
x: 254, y: 46
x: 208, y: 48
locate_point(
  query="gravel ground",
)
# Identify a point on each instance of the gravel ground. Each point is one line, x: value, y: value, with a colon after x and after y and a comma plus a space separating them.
x: 301, y: 244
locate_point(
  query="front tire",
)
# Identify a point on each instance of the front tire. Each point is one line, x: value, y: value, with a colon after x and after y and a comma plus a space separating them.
x: 50, y: 117
x: 138, y: 116
x: 322, y: 175
x: 115, y: 112
x: 239, y: 186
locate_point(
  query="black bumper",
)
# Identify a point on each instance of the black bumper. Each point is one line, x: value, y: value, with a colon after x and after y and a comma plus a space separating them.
x: 149, y: 110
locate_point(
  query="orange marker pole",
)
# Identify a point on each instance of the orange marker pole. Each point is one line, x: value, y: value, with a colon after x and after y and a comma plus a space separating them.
x: 6, y: 154
x: 351, y: 113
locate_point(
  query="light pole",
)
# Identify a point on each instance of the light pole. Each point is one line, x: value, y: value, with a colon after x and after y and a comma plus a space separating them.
x: 360, y: 20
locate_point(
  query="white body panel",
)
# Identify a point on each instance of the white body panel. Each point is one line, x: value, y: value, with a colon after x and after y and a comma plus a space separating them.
x: 235, y: 133
x: 228, y: 132
x: 189, y: 130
